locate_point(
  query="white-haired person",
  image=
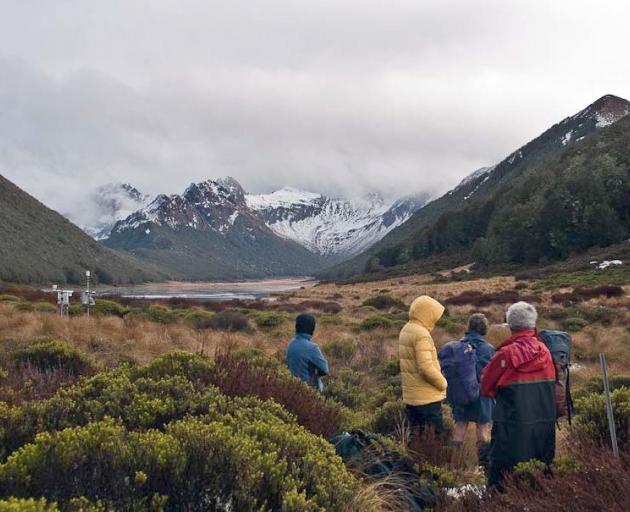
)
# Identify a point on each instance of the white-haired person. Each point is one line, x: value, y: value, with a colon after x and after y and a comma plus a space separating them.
x: 521, y: 377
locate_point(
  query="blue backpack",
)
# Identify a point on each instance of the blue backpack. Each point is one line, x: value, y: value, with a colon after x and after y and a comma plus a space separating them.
x: 458, y: 361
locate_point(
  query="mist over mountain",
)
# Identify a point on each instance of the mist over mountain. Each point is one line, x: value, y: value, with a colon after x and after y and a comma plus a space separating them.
x: 541, y: 177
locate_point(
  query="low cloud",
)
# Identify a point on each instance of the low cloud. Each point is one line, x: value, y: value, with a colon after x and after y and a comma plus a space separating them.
x: 343, y: 98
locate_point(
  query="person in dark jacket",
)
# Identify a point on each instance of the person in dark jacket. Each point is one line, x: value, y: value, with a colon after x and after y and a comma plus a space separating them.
x: 521, y: 375
x: 478, y: 412
x: 304, y: 358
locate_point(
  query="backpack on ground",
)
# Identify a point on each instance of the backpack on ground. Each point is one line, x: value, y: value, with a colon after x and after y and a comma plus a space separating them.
x: 559, y: 344
x: 398, y: 473
x: 458, y: 360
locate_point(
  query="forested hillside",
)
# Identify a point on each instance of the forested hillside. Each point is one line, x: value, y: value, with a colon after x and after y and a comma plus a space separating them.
x: 554, y: 203
x: 39, y: 245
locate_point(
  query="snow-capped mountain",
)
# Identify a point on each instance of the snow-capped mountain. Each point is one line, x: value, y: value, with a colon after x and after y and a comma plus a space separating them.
x: 328, y: 226
x: 105, y: 206
x: 209, y: 232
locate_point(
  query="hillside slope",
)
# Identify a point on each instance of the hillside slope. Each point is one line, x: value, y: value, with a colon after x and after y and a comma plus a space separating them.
x: 448, y: 227
x: 38, y: 245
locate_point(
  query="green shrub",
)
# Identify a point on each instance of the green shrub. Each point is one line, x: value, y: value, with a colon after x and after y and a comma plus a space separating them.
x: 27, y: 505
x: 595, y: 385
x: 388, y: 417
x: 24, y: 305
x: 76, y: 310
x: 574, y: 324
x: 376, y: 322
x: 385, y: 302
x: 592, y: 420
x: 47, y: 356
x: 343, y: 350
x: 44, y: 307
x: 267, y: 319
x: 389, y: 368
x: 199, y: 319
x: 230, y: 320
x: 5, y: 297
x: 159, y: 314
x: 109, y: 308
x: 452, y: 325
x: 250, y: 459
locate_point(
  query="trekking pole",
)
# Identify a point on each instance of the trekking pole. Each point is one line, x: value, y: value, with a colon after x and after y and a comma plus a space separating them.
x: 609, y: 409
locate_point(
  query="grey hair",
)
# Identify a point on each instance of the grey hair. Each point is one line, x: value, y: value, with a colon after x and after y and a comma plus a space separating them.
x: 520, y: 316
x: 478, y: 323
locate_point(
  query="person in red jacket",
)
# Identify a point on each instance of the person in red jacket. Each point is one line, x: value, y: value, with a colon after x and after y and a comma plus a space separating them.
x: 521, y: 376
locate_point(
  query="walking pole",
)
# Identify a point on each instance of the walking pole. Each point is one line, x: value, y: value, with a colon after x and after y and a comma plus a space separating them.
x: 609, y: 409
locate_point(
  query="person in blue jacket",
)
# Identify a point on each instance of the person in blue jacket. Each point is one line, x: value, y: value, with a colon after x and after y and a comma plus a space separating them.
x: 304, y: 358
x: 479, y: 411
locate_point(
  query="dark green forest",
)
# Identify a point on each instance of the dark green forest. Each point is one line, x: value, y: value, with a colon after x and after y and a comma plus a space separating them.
x: 561, y: 206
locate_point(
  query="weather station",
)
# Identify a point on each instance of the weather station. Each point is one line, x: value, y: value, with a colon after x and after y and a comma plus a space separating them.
x: 63, y: 299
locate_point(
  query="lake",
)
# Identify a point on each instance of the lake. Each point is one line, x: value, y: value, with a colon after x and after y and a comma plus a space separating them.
x: 219, y: 291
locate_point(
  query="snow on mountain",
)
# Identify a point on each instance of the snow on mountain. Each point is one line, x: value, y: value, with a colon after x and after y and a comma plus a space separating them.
x: 328, y: 226
x: 325, y: 226
x: 102, y: 208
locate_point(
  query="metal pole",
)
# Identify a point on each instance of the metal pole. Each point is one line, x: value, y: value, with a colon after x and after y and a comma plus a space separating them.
x: 609, y: 408
x: 87, y: 275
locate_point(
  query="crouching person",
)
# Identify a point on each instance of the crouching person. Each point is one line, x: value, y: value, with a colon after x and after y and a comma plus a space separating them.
x: 521, y: 375
x: 304, y: 357
x: 480, y: 410
x: 423, y: 385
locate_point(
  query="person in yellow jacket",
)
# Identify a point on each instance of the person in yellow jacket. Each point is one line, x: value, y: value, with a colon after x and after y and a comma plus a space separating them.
x: 423, y: 385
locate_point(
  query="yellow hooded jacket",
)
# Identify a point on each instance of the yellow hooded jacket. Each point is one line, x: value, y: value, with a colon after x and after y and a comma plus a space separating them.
x: 422, y: 379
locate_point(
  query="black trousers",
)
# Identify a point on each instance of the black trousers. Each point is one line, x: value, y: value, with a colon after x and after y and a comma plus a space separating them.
x: 428, y: 415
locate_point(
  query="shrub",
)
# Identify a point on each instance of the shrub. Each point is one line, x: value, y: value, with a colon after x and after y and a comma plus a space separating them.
x: 480, y: 299
x: 24, y: 306
x: 27, y: 505
x: 384, y: 302
x: 268, y: 319
x: 44, y: 307
x: 5, y: 297
x: 230, y: 320
x: 109, y: 308
x: 595, y: 385
x: 452, y: 325
x: 199, y: 319
x: 376, y: 322
x: 388, y: 417
x: 238, y: 376
x: 159, y: 314
x: 55, y: 355
x: 343, y: 350
x: 593, y: 421
x: 574, y: 324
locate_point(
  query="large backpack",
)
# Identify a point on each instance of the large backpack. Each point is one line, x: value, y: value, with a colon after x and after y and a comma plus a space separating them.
x: 458, y: 360
x: 559, y: 344
x: 396, y: 473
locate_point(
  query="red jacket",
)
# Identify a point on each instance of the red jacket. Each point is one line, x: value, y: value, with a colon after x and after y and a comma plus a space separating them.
x: 521, y: 375
x: 520, y: 358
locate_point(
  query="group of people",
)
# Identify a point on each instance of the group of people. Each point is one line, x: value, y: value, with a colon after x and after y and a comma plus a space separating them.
x: 515, y: 413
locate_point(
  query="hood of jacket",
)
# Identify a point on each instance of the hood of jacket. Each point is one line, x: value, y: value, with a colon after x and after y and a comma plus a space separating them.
x: 426, y: 311
x: 526, y: 352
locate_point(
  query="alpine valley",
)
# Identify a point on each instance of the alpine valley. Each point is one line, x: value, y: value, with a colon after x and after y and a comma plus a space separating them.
x: 216, y: 230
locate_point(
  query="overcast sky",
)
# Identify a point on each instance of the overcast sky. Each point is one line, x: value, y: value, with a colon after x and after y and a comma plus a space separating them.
x: 337, y: 96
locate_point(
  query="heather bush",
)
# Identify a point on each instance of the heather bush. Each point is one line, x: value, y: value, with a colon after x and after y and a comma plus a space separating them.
x: 376, y: 322
x: 389, y: 417
x: 44, y: 307
x: 5, y: 297
x: 109, y: 308
x: 591, y: 419
x: 230, y: 320
x: 595, y: 385
x: 27, y: 505
x: 199, y: 319
x: 268, y: 320
x: 24, y: 305
x: 269, y: 463
x: 159, y: 314
x: 384, y: 302
x: 343, y: 350
x: 574, y: 324
x: 53, y: 355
